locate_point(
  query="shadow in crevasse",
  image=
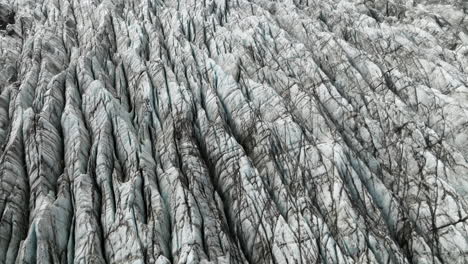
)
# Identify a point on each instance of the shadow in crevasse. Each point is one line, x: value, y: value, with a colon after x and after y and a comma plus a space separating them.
x: 7, y: 16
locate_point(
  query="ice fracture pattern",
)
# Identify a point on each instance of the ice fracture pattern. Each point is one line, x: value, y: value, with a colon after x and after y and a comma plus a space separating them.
x: 234, y: 131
